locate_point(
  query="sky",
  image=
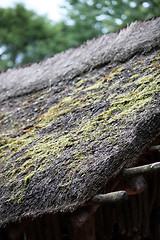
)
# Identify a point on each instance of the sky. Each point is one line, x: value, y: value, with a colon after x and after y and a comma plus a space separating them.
x: 51, y: 8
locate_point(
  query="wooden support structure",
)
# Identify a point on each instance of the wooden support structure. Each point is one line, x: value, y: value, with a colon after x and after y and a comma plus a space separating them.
x: 109, y: 212
x: 141, y: 169
x: 106, y: 216
x: 155, y: 148
x: 82, y: 223
x: 128, y: 221
x: 132, y: 185
x: 16, y: 231
x: 55, y: 222
x: 31, y: 232
x: 110, y: 197
x: 120, y: 218
x: 39, y: 228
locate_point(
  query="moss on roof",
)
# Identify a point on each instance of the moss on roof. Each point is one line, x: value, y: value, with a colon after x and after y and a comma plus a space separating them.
x: 58, y: 146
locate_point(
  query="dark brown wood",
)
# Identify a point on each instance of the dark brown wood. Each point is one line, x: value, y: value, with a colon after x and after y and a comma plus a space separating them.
x: 120, y: 219
x: 127, y: 217
x: 109, y: 214
x: 154, y: 190
x: 79, y: 217
x: 2, y: 237
x: 157, y: 208
x: 141, y: 169
x: 135, y: 185
x: 146, y: 216
x: 139, y: 207
x: 15, y: 230
x: 48, y: 229
x: 85, y: 231
x: 55, y: 223
x: 110, y: 197
x: 31, y: 232
x: 134, y: 213
x: 158, y: 231
x: 39, y: 226
x: 137, y: 238
x: 99, y: 223
x: 21, y: 237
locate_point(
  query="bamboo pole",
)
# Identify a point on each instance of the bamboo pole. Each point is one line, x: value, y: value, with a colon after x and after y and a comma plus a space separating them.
x: 157, y: 206
x: 39, y: 226
x: 110, y: 197
x: 99, y: 223
x: 134, y: 213
x: 85, y: 231
x: 127, y: 218
x: 48, y: 228
x: 139, y: 205
x: 135, y: 185
x: 141, y: 169
x: 155, y: 148
x: 31, y: 232
x: 154, y: 191
x: 120, y: 219
x: 109, y: 220
x: 2, y: 237
x: 15, y: 230
x: 55, y: 222
x: 146, y: 215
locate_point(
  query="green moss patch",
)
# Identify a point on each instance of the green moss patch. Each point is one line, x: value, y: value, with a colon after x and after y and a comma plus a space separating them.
x: 65, y: 129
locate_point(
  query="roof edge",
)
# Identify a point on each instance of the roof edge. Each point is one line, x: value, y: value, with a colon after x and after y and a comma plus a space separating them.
x: 138, y: 37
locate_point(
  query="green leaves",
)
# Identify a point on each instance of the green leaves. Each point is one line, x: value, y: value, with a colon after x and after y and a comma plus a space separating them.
x: 27, y: 37
x: 106, y: 16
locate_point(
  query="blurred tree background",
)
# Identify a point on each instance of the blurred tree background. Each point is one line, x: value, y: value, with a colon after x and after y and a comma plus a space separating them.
x: 26, y: 37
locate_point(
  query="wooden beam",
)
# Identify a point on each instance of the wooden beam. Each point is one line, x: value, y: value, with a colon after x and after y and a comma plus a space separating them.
x: 155, y: 148
x: 85, y: 231
x: 110, y: 197
x: 134, y: 185
x: 141, y: 169
x: 81, y: 216
x: 15, y: 230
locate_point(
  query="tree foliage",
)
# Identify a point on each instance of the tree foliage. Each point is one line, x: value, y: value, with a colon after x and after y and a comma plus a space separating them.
x: 101, y: 16
x: 27, y: 37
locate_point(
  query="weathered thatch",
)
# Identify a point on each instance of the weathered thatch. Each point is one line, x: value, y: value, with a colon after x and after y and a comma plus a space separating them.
x: 73, y: 122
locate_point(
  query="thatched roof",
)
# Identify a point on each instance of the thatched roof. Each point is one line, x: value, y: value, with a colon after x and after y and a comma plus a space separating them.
x: 71, y: 123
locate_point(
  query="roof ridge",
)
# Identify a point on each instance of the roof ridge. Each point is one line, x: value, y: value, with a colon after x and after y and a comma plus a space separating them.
x: 138, y: 37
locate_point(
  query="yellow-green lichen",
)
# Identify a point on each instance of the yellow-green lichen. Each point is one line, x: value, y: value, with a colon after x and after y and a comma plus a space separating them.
x: 52, y: 137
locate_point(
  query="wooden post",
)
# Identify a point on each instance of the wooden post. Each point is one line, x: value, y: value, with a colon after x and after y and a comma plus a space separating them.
x: 48, y: 228
x: 120, y: 218
x: 155, y: 148
x: 133, y: 185
x: 109, y: 220
x: 128, y: 220
x: 56, y: 226
x: 15, y: 230
x: 157, y: 207
x: 2, y: 237
x: 110, y: 197
x: 39, y: 228
x: 85, y: 231
x: 134, y: 213
x: 139, y: 206
x: 154, y: 191
x: 146, y: 216
x: 83, y: 223
x: 141, y: 169
x: 31, y: 232
x: 99, y: 223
